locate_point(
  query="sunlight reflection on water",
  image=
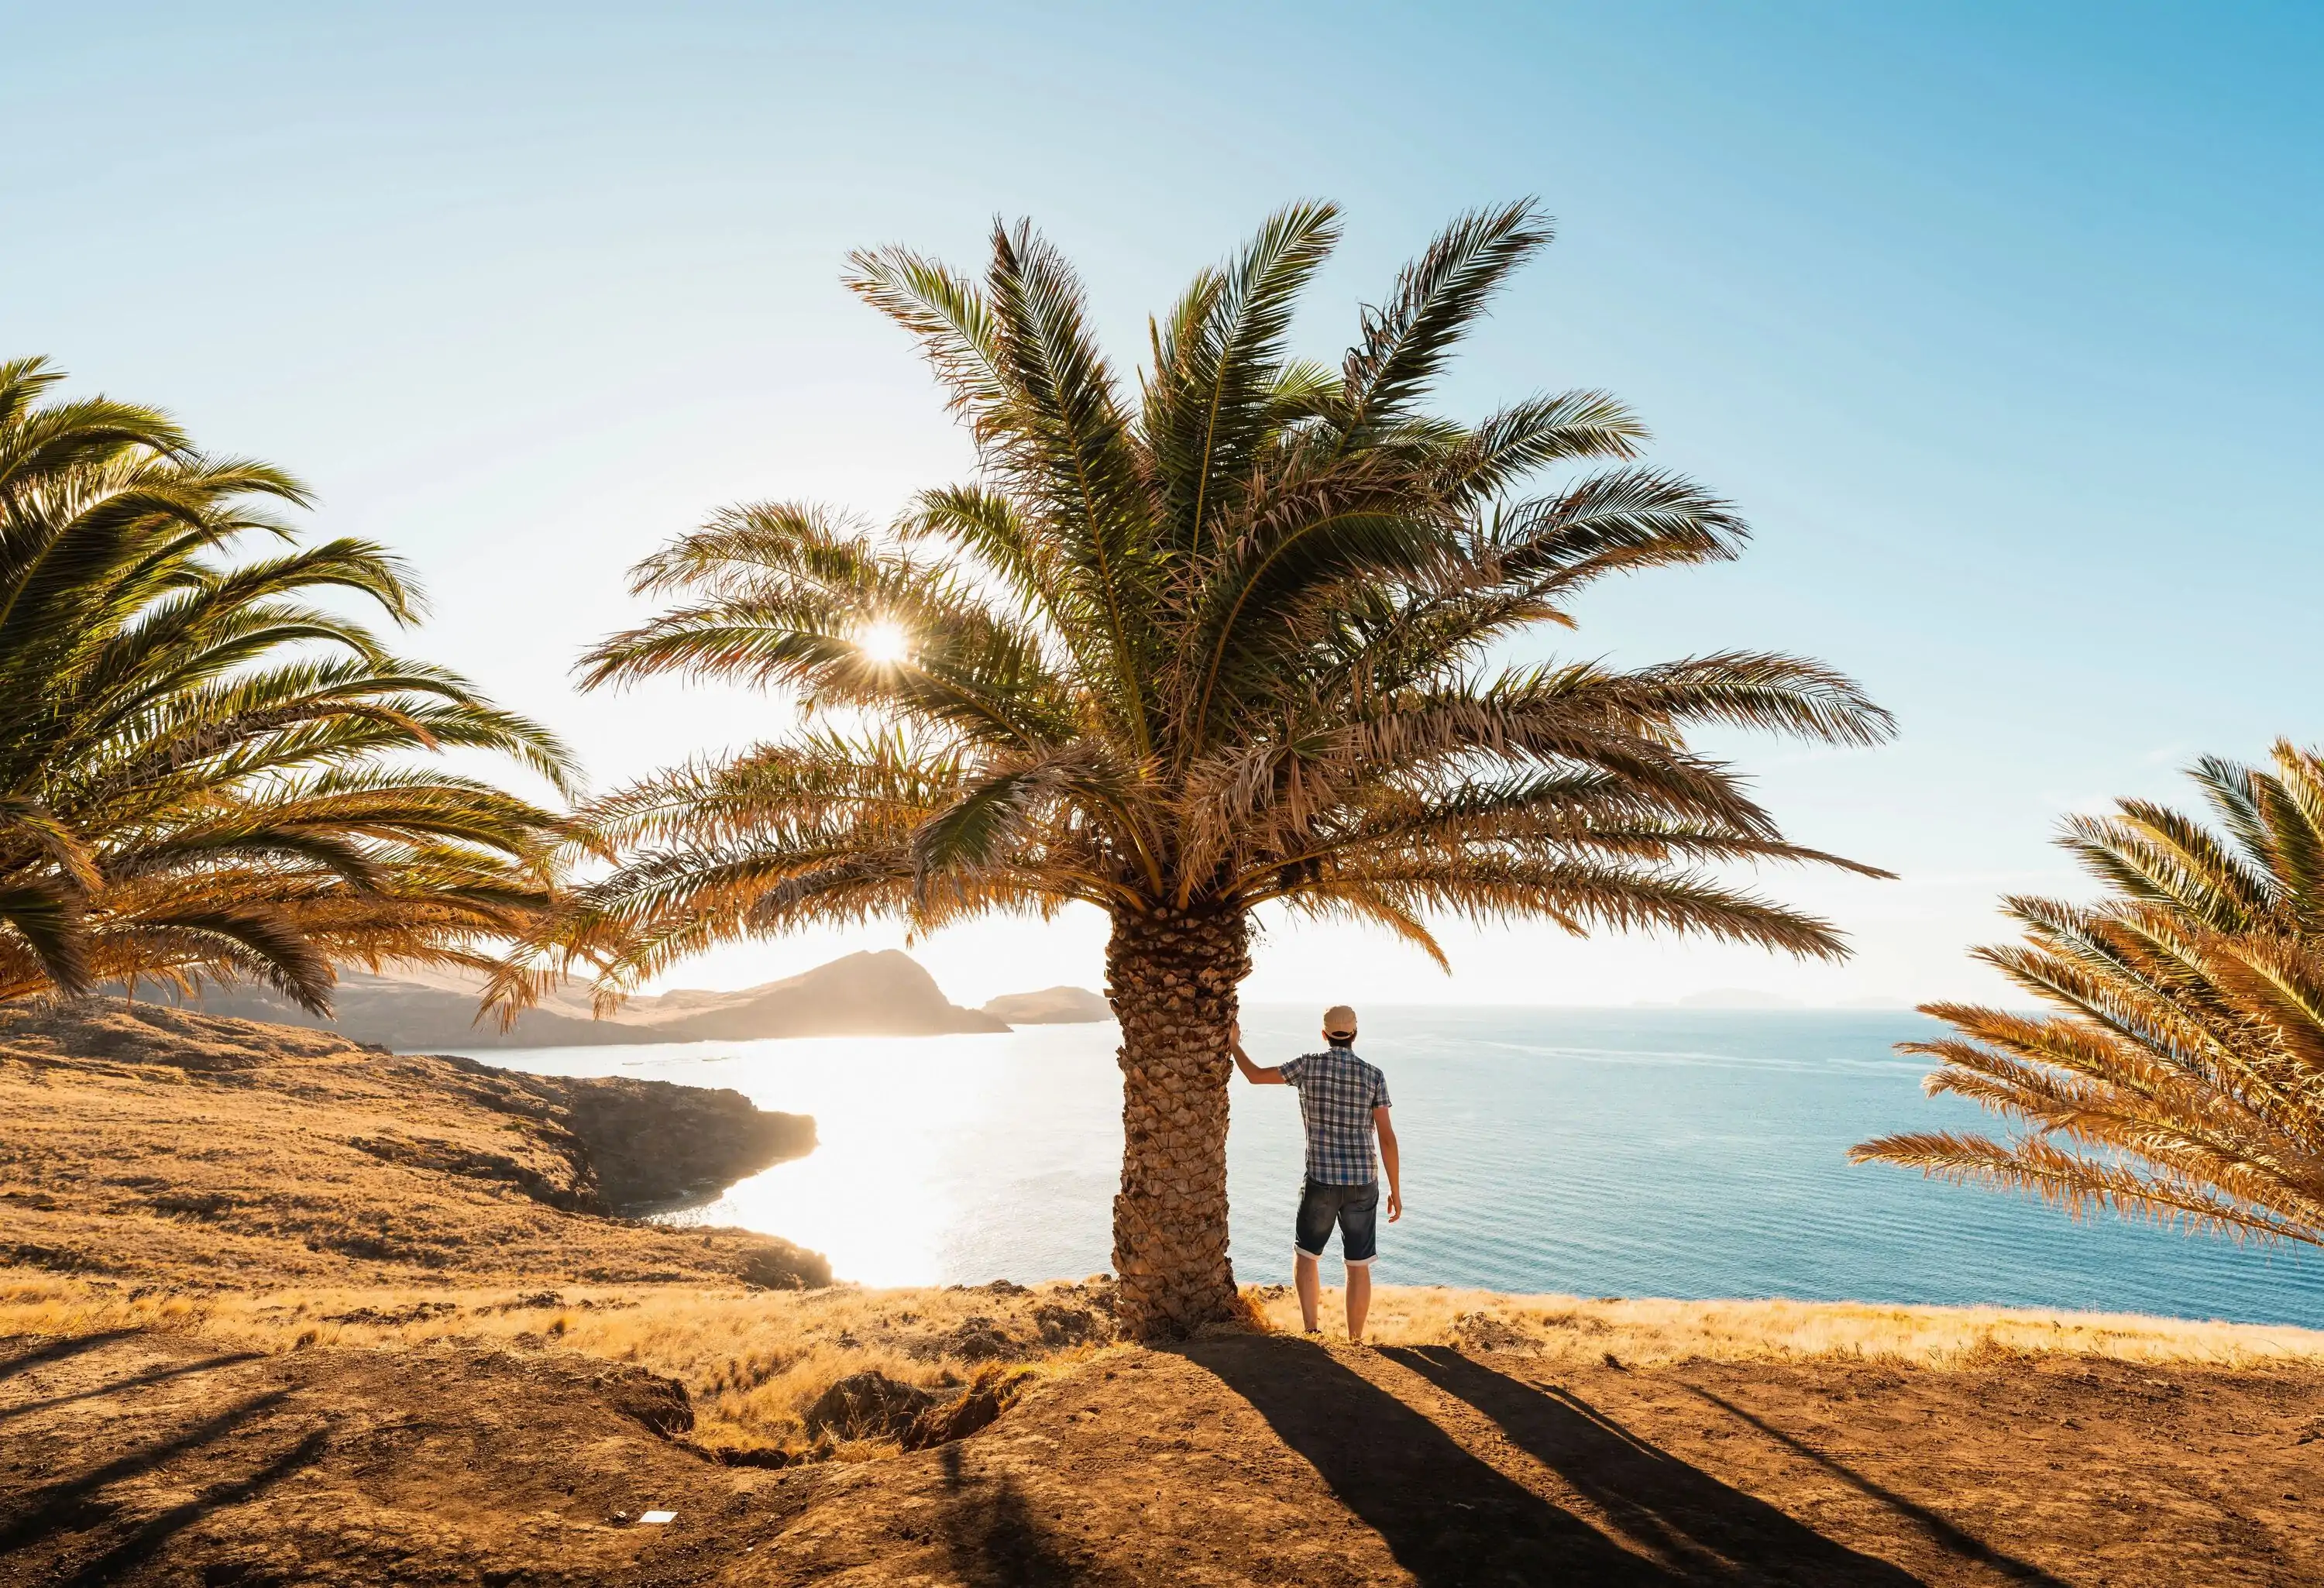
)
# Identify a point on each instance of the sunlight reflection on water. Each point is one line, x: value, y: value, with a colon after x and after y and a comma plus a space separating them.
x: 936, y: 1158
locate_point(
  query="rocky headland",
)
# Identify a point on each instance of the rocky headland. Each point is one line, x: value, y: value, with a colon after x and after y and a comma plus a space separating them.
x: 156, y: 1144
x: 1051, y: 1006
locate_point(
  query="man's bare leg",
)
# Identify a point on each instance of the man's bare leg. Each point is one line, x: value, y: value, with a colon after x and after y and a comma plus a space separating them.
x: 1360, y: 1300
x: 1310, y: 1286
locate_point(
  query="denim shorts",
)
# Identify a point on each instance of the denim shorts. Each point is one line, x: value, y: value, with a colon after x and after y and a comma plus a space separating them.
x: 1355, y: 1209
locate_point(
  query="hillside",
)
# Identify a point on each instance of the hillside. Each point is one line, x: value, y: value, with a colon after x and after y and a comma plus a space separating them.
x: 886, y: 994
x: 514, y: 1439
x: 159, y: 1146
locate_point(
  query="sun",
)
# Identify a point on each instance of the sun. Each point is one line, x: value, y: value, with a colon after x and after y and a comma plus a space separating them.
x: 884, y: 642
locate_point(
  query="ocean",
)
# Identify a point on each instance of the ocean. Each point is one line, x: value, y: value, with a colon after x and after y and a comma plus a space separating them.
x: 1689, y: 1153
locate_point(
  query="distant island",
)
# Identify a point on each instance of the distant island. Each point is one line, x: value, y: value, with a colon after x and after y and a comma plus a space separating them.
x: 1051, y: 1006
x: 882, y: 993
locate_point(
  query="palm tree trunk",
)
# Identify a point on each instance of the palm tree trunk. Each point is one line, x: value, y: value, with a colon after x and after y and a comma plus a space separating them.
x: 1172, y: 977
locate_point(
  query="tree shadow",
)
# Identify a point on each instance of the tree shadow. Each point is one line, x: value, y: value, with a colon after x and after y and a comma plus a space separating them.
x: 74, y: 1502
x: 134, y: 1382
x: 58, y: 1350
x: 1683, y: 1513
x: 1448, y: 1518
x: 150, y: 1536
x: 992, y: 1535
x: 1944, y: 1533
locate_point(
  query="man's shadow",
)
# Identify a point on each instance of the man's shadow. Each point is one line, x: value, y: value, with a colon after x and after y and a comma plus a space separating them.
x: 1450, y: 1519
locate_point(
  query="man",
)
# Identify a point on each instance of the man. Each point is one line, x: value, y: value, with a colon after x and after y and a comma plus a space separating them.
x: 1343, y: 1101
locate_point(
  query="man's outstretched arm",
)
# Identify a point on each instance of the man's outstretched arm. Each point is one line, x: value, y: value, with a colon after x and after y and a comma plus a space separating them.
x: 1390, y: 1160
x: 1250, y: 1072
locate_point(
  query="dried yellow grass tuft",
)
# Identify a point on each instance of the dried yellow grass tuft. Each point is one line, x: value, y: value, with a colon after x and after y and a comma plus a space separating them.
x: 754, y: 1360
x: 1572, y: 1329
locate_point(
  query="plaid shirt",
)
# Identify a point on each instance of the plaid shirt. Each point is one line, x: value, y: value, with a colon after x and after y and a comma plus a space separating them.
x: 1337, y: 1094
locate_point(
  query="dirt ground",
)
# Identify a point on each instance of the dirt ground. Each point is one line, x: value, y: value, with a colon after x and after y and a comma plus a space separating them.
x: 146, y: 1457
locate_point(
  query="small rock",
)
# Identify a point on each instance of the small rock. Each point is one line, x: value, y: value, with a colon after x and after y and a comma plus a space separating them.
x: 780, y: 1266
x: 1478, y: 1331
x: 981, y: 1340
x: 1068, y: 1325
x: 661, y: 1404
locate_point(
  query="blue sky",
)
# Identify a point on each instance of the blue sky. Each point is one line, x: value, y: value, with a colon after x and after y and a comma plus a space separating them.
x: 2002, y: 324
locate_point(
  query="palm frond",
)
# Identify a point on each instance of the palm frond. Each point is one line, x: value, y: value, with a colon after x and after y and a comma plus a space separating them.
x: 1232, y: 643
x: 203, y: 776
x: 1437, y: 299
x: 2185, y: 1057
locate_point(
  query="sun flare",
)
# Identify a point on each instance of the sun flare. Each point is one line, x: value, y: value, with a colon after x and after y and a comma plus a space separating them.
x: 885, y: 642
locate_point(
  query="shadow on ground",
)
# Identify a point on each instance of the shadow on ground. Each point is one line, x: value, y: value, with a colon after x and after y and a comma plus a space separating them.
x: 1633, y: 1513
x: 992, y: 1535
x: 1247, y: 1462
x: 51, y: 1518
x: 1952, y: 1539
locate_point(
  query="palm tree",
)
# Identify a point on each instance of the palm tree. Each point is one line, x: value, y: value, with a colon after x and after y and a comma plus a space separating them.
x: 2184, y: 1078
x: 204, y: 775
x: 1226, y: 644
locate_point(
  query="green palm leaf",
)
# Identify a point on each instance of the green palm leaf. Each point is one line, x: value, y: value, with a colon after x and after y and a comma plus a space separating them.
x: 204, y: 776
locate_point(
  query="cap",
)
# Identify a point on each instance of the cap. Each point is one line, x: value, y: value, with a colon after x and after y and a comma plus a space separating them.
x: 1339, y: 1020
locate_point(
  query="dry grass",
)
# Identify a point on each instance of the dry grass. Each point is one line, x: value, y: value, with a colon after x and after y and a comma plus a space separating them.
x: 156, y: 1146
x: 753, y: 1360
x: 1570, y: 1329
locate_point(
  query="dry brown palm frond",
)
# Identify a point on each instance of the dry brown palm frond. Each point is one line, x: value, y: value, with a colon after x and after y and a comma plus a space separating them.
x: 2185, y: 1062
